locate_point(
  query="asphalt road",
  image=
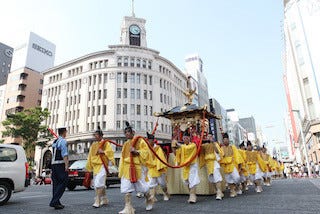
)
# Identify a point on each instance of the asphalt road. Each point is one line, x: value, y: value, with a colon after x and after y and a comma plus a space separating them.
x: 284, y: 196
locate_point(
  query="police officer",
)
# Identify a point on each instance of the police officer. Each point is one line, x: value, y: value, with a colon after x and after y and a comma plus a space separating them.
x: 60, y: 165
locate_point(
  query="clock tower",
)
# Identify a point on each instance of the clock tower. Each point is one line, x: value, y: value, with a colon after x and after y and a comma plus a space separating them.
x: 133, y: 31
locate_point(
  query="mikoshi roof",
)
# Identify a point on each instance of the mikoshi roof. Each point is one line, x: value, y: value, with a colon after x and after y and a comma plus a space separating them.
x: 187, y: 111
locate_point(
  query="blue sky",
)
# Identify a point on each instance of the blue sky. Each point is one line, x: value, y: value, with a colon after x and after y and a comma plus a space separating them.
x: 240, y: 42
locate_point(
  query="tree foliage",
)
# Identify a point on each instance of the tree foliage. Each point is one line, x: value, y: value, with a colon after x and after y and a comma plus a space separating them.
x: 28, y: 126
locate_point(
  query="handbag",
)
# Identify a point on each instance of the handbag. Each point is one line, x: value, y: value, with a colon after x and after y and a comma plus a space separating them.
x: 87, y: 180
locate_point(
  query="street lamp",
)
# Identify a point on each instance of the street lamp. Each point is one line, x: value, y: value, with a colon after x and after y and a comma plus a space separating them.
x: 303, y: 141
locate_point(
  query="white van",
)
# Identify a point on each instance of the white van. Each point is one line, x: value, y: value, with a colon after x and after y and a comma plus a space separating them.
x: 13, y: 171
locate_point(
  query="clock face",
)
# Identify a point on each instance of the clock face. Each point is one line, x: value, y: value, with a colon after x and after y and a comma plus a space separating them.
x: 134, y: 29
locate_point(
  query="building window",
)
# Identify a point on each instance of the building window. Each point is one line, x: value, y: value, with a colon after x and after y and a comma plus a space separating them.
x: 105, y: 78
x: 160, y: 98
x: 118, y: 108
x: 138, y: 109
x: 118, y: 126
x: 151, y: 111
x: 94, y: 95
x: 100, y: 78
x: 125, y: 93
x: 151, y: 126
x: 104, y: 125
x: 89, y: 96
x: 88, y: 112
x: 132, y: 108
x: 132, y: 62
x: 105, y: 93
x: 118, y: 92
x: 104, y: 109
x: 132, y: 78
x: 138, y: 94
x: 138, y: 63
x: 145, y: 79
x: 160, y: 83
x: 125, y: 77
x: 138, y: 78
x: 132, y: 93
x: 132, y: 123
x: 146, y: 125
x: 124, y: 109
x: 119, y: 77
x: 149, y: 64
x: 144, y: 63
x: 99, y: 110
x: 150, y: 95
x: 93, y: 111
x: 99, y: 94
x: 119, y: 61
x: 125, y: 61
x: 41, y: 81
x: 150, y: 80
x: 145, y: 110
x: 79, y: 99
x: 138, y: 125
x: 145, y: 94
x: 164, y: 98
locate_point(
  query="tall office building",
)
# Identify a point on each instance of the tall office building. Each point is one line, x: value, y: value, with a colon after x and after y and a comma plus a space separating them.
x: 301, y: 61
x: 249, y: 125
x: 127, y: 82
x: 194, y: 69
x: 25, y: 80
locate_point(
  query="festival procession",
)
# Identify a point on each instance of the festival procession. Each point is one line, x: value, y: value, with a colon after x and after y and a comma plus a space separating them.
x: 192, y: 164
x: 140, y: 106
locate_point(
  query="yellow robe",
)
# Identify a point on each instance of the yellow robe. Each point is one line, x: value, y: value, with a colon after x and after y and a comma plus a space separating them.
x: 155, y: 167
x: 139, y: 161
x: 231, y: 159
x: 254, y: 158
x: 268, y: 160
x: 183, y: 155
x: 208, y: 156
x: 94, y: 162
x: 244, y: 166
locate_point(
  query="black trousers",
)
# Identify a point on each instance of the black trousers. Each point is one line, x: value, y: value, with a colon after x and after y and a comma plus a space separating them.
x: 59, y: 182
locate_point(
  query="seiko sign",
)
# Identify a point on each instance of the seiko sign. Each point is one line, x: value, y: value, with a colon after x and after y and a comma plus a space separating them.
x: 41, y: 49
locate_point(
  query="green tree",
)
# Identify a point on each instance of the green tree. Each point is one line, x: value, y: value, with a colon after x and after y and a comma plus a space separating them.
x: 28, y: 126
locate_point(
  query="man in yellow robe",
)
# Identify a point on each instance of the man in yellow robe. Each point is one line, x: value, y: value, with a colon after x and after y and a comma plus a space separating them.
x: 256, y: 167
x: 231, y: 163
x: 244, y: 175
x: 268, y: 161
x: 95, y: 165
x: 140, y: 153
x: 209, y: 157
x: 157, y: 170
x: 190, y: 176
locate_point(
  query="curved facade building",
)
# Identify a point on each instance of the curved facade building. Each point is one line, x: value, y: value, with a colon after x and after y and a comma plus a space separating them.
x: 127, y: 82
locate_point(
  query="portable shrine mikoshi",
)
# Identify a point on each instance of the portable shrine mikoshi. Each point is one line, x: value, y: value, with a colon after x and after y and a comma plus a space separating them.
x: 195, y: 121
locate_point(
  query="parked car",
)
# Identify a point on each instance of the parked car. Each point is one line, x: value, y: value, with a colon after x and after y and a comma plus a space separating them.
x: 14, y: 175
x: 77, y: 173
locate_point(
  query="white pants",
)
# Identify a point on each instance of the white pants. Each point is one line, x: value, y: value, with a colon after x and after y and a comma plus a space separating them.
x: 99, y: 180
x: 216, y: 176
x: 154, y: 182
x: 268, y: 174
x: 243, y: 178
x: 258, y: 175
x: 233, y: 177
x: 193, y: 179
x: 128, y: 187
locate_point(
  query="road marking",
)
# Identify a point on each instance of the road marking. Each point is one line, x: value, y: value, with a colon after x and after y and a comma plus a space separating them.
x: 34, y: 196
